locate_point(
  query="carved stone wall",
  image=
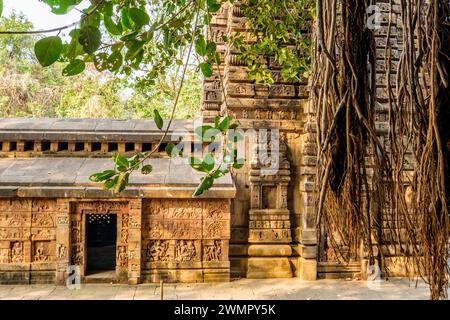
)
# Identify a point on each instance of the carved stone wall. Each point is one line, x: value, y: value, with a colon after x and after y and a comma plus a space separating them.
x: 171, y: 239
x: 185, y: 240
x: 27, y: 240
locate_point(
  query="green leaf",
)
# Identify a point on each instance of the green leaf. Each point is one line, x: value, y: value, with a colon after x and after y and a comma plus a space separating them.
x: 92, y: 20
x: 75, y: 67
x: 108, y: 9
x: 206, y: 184
x: 139, y: 17
x: 1, y: 7
x: 211, y: 48
x: 213, y: 6
x: 109, y: 184
x: 61, y: 6
x: 169, y: 149
x: 74, y: 49
x: 102, y: 176
x: 207, y: 69
x: 239, y: 164
x: 158, y: 119
x: 200, y: 45
x: 100, y: 61
x: 48, y: 50
x: 125, y: 19
x: 134, y: 49
x: 224, y: 125
x: 121, y: 182
x: 112, y: 27
x: 147, y: 169
x: 216, y: 122
x: 121, y: 161
x: 115, y: 61
x: 122, y: 168
x: 90, y: 38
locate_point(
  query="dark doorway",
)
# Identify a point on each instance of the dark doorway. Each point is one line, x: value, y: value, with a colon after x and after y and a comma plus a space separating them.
x: 101, y: 242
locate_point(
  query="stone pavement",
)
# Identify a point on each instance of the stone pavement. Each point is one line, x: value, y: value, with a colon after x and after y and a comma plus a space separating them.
x: 289, y: 289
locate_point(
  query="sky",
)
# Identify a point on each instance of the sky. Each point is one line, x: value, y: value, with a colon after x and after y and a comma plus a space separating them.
x: 39, y: 13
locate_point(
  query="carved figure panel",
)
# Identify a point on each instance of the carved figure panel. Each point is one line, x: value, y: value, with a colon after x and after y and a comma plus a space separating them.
x: 14, y: 233
x: 47, y: 205
x: 42, y: 251
x: 16, y: 252
x: 76, y: 255
x: 219, y: 229
x: 155, y: 207
x: 20, y: 205
x: 186, y: 251
x: 61, y: 251
x: 158, y: 250
x: 42, y: 234
x: 101, y: 207
x: 215, y: 209
x: 122, y: 256
x: 15, y: 219
x: 213, y: 251
x: 5, y: 256
x: 188, y: 229
x: 184, y: 209
x: 43, y: 219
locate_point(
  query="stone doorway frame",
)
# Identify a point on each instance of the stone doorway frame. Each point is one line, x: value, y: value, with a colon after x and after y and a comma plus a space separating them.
x: 118, y: 222
x: 72, y: 213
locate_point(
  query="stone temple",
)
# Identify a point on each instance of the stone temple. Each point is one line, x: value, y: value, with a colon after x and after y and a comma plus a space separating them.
x: 250, y: 224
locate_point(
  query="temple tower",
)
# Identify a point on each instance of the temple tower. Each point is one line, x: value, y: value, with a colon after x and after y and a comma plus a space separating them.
x: 267, y: 212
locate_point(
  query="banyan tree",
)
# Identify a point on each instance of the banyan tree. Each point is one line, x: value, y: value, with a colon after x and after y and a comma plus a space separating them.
x: 385, y: 188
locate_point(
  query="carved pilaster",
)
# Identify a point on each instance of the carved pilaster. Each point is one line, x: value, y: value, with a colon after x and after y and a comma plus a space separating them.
x: 62, y: 240
x: 134, y: 241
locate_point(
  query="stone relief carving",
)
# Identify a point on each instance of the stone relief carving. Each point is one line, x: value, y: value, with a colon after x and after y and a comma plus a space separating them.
x: 20, y: 205
x: 122, y: 257
x: 61, y: 251
x: 15, y: 219
x: 44, y: 206
x: 42, y: 234
x: 184, y: 209
x: 124, y: 236
x: 5, y: 255
x: 158, y: 250
x: 213, y: 230
x: 75, y: 232
x: 17, y: 252
x: 213, y: 252
x: 41, y: 253
x: 14, y: 233
x: 215, y: 209
x: 185, y: 250
x: 77, y: 255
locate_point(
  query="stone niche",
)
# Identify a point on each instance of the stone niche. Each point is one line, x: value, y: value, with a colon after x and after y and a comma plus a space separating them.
x: 185, y: 240
x: 269, y: 220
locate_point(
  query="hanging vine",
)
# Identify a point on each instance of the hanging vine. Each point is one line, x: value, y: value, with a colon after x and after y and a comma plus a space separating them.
x: 364, y: 180
x: 350, y: 199
x: 419, y: 125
